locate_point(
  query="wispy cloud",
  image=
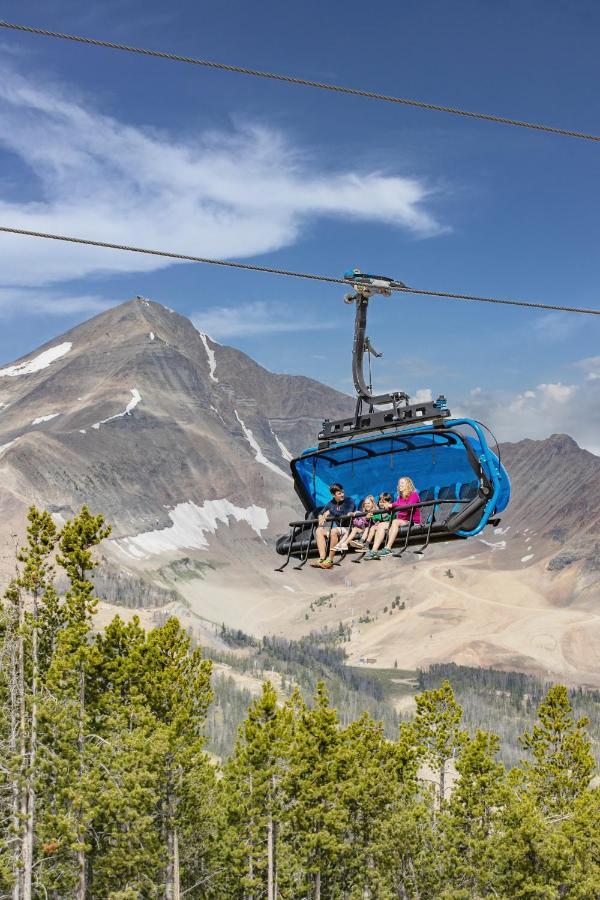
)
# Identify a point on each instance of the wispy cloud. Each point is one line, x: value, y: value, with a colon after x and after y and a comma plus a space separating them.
x: 591, y: 367
x: 260, y: 318
x: 422, y: 395
x: 539, y: 411
x: 235, y: 194
x: 553, y: 328
x: 15, y: 300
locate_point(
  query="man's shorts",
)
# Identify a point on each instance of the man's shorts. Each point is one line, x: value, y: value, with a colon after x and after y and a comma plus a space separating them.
x: 341, y: 530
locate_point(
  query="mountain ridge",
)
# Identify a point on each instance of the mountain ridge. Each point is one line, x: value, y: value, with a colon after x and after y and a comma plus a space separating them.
x: 184, y: 445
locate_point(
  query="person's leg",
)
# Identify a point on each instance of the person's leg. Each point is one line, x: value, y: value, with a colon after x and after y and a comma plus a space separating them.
x: 393, y: 533
x: 335, y: 536
x: 343, y: 544
x: 322, y: 542
x: 380, y: 534
x: 360, y: 540
x: 393, y: 529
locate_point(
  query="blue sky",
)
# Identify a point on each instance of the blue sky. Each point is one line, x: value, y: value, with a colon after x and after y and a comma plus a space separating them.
x: 116, y: 147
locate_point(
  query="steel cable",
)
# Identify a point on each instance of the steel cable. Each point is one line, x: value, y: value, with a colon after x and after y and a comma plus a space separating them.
x: 304, y: 82
x: 253, y: 267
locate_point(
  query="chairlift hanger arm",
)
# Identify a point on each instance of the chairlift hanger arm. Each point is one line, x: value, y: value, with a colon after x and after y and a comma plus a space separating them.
x: 364, y: 287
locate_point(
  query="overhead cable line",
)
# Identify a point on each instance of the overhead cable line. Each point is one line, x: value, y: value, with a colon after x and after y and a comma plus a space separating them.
x: 252, y: 267
x: 304, y: 82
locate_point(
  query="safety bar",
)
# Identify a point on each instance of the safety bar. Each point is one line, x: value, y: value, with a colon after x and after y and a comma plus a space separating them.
x: 358, y: 514
x: 314, y: 522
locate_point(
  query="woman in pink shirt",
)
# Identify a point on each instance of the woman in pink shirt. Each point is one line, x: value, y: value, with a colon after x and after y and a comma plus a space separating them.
x: 407, y: 496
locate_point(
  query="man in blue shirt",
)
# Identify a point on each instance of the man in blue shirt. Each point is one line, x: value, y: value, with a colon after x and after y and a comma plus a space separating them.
x: 330, y: 524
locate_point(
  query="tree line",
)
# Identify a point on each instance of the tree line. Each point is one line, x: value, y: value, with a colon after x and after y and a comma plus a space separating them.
x: 107, y: 793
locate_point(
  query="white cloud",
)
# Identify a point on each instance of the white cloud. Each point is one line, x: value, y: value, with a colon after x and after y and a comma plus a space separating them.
x: 423, y: 395
x: 591, y: 367
x: 15, y: 301
x: 238, y: 194
x: 538, y: 412
x: 553, y: 328
x: 555, y: 393
x: 224, y: 322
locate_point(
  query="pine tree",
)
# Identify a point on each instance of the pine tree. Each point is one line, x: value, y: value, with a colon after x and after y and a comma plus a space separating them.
x: 175, y: 682
x: 532, y: 857
x: 376, y: 777
x: 582, y: 832
x: 316, y: 817
x: 129, y: 746
x: 254, y: 798
x: 67, y: 758
x: 10, y: 745
x: 437, y: 727
x: 471, y: 820
x: 407, y: 851
x: 36, y: 579
x: 562, y: 763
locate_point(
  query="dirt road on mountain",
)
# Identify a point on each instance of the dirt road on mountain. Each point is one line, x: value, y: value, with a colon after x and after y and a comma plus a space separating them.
x: 503, y: 622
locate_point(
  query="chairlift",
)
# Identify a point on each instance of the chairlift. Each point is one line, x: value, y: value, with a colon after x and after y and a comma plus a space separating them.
x: 461, y: 481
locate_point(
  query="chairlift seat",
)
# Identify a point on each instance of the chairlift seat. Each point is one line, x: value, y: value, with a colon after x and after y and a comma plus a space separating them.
x: 452, y: 466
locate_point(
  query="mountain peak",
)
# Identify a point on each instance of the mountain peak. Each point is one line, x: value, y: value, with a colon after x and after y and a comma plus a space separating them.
x: 135, y: 412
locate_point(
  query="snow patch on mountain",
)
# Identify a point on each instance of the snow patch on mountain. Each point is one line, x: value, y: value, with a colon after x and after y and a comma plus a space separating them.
x: 259, y: 455
x: 494, y: 546
x: 7, y: 445
x: 39, y: 362
x: 135, y: 399
x: 41, y: 419
x: 284, y: 450
x: 210, y: 353
x: 217, y: 413
x: 190, y: 524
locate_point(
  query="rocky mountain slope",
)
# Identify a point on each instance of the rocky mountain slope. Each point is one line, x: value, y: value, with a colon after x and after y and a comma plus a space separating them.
x: 136, y: 412
x: 184, y: 445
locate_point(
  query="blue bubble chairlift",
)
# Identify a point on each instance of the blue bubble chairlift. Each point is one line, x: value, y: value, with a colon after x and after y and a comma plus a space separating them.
x: 461, y: 481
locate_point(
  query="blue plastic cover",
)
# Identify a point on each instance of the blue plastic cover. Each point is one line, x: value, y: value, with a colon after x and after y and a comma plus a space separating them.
x: 434, y: 460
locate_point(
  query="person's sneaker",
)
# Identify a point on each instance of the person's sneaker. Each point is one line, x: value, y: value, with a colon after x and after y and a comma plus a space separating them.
x: 326, y: 564
x: 358, y: 545
x: 385, y: 552
x: 316, y: 563
x: 371, y: 554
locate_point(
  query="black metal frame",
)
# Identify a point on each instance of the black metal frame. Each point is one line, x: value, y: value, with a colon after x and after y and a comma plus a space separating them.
x: 379, y: 420
x: 401, y: 412
x: 429, y: 535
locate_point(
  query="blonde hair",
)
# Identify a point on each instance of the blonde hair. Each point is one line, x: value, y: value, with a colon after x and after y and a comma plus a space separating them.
x: 371, y: 498
x: 410, y: 488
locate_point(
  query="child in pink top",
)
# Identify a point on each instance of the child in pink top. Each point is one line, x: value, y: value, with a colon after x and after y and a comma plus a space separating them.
x: 360, y: 526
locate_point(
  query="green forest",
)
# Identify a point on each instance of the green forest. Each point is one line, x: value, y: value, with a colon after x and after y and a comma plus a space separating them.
x: 107, y: 789
x: 502, y: 702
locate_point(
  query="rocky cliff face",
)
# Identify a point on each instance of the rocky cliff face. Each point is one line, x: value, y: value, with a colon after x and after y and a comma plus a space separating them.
x: 555, y: 499
x: 135, y: 413
x: 556, y: 486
